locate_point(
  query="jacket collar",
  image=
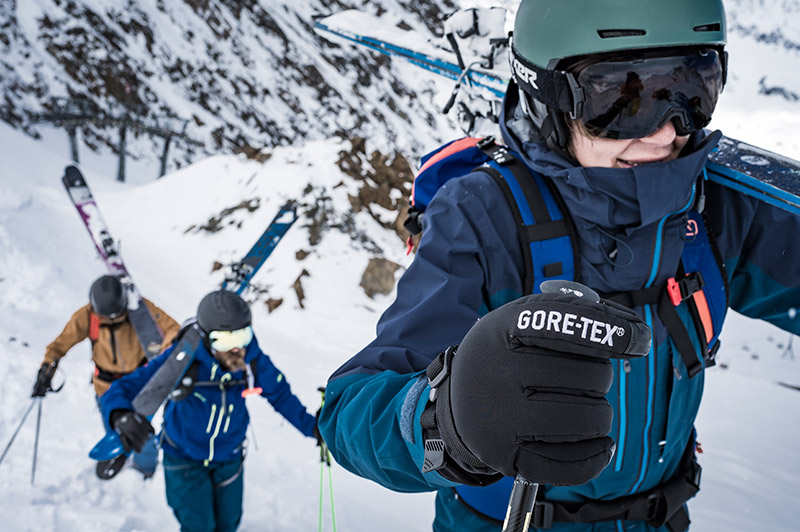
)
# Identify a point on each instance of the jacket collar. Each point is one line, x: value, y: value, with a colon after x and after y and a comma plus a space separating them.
x: 614, y: 197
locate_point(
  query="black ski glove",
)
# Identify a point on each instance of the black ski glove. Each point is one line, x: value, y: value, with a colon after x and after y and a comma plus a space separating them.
x: 523, y: 394
x: 134, y: 430
x: 317, y: 434
x: 43, y: 380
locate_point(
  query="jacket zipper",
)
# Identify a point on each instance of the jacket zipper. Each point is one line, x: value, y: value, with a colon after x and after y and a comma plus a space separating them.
x: 651, y: 359
x: 114, y: 345
x: 651, y: 363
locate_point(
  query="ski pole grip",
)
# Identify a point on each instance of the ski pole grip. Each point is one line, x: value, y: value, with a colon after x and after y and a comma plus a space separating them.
x: 520, y: 505
x: 451, y: 101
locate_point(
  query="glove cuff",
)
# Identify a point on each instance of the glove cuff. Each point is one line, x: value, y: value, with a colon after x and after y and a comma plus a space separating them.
x: 444, y: 450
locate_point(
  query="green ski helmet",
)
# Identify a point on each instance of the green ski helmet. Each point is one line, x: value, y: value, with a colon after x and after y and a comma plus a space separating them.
x: 554, y: 41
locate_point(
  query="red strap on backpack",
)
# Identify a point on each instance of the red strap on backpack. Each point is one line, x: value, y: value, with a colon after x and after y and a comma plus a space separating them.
x: 94, y: 327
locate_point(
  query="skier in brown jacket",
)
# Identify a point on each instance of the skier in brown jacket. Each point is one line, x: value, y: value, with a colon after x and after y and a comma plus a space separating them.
x: 116, y: 351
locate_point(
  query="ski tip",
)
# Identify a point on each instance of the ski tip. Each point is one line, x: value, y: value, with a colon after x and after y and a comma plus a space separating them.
x: 108, y: 448
x: 73, y: 176
x: 290, y: 205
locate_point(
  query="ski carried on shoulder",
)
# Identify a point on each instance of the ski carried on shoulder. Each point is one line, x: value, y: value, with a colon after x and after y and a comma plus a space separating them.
x: 757, y: 172
x: 167, y: 378
x: 240, y: 273
x: 389, y: 38
x: 470, y: 53
x: 147, y: 330
x: 156, y: 391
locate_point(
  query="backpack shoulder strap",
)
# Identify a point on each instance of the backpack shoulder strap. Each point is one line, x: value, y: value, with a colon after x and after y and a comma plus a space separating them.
x: 251, y: 375
x: 701, y: 284
x: 94, y: 327
x: 546, y: 232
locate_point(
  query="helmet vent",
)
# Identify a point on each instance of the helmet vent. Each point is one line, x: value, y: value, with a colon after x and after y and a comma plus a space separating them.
x: 708, y: 27
x: 613, y: 34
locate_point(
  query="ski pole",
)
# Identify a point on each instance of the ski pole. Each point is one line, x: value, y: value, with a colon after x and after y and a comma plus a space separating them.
x: 325, y: 459
x: 330, y: 486
x: 520, y: 506
x: 321, y: 492
x: 36, y: 439
x: 16, y: 431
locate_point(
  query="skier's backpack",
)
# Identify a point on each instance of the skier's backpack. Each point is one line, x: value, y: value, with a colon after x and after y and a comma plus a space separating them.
x: 548, y: 241
x: 544, y: 232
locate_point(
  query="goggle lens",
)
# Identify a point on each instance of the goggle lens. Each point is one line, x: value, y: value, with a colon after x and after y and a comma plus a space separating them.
x: 632, y: 99
x: 222, y: 341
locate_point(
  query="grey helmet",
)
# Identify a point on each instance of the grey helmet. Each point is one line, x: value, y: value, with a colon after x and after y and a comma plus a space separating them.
x: 223, y: 310
x: 107, y: 297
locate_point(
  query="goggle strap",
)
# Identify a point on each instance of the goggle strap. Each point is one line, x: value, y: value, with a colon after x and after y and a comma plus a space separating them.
x: 551, y: 87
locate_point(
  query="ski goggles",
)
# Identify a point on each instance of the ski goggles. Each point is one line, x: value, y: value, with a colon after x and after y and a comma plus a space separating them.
x: 222, y: 341
x: 632, y: 97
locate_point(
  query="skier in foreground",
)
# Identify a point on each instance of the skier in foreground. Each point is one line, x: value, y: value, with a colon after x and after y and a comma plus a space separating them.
x: 116, y: 351
x: 607, y: 104
x: 205, y: 424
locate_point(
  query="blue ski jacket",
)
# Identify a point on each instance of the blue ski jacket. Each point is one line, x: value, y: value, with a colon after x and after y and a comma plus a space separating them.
x: 211, y: 422
x: 630, y: 226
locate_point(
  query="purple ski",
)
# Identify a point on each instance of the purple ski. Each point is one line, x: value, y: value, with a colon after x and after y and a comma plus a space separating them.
x: 150, y: 336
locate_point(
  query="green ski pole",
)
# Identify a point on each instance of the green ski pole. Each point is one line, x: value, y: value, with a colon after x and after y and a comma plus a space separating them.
x: 325, y: 459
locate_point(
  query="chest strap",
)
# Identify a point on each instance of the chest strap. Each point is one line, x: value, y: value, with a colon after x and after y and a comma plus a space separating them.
x: 189, y: 382
x: 666, y: 297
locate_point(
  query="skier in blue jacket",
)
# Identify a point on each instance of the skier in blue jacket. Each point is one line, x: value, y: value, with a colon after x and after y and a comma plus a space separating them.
x: 205, y: 423
x: 607, y: 104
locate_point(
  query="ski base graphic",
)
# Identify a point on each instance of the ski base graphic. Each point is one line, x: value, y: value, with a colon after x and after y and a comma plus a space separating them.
x: 147, y: 331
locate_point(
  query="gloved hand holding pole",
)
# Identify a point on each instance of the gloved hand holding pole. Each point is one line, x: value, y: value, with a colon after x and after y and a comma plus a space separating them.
x: 524, y: 393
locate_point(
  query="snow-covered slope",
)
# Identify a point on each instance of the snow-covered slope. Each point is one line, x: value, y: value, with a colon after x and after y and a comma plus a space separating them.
x: 748, y: 424
x: 47, y: 263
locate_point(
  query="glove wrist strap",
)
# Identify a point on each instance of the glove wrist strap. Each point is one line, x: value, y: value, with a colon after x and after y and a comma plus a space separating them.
x: 451, y: 459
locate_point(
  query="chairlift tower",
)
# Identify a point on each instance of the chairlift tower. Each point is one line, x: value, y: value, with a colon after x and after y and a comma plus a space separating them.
x: 71, y: 113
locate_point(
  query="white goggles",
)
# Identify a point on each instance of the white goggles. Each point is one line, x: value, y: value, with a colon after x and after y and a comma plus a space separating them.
x: 222, y: 341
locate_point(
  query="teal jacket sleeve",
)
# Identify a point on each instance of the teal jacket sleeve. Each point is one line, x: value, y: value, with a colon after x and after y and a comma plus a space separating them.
x: 373, y: 403
x: 379, y: 415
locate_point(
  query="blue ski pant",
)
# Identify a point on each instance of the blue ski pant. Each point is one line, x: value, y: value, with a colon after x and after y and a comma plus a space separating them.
x: 205, y: 498
x: 146, y: 460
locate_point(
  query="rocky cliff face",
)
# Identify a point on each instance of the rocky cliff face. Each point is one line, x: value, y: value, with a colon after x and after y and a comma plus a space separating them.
x: 245, y: 74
